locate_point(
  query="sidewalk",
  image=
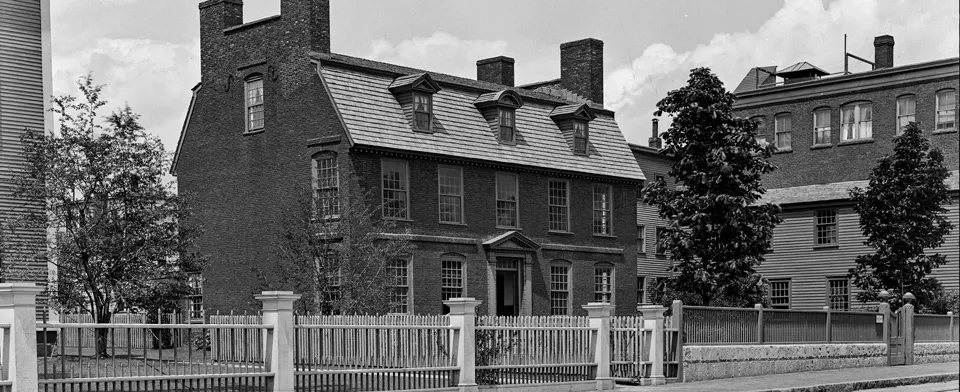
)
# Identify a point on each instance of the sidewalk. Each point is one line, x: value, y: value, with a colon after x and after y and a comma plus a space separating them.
x: 825, y: 380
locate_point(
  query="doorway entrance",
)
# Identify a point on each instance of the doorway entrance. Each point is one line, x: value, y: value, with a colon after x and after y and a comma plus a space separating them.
x: 508, y: 286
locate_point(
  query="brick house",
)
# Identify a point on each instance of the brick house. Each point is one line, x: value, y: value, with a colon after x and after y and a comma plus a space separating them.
x: 520, y: 196
x: 830, y: 131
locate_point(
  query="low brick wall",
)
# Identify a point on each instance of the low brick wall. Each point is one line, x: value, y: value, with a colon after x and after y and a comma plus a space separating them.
x: 724, y: 361
x: 936, y: 352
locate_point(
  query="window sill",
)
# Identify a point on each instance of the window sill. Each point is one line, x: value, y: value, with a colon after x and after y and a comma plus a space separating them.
x: 604, y: 235
x: 559, y: 232
x: 820, y: 146
x: 855, y: 141
x: 943, y: 131
x: 398, y: 219
x: 254, y: 132
x: 783, y: 151
x: 503, y: 143
x: 660, y: 255
x: 826, y: 247
x: 452, y: 224
x: 508, y: 228
x: 420, y: 130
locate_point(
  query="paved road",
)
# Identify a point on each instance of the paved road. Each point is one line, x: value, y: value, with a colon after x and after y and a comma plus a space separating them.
x: 952, y: 386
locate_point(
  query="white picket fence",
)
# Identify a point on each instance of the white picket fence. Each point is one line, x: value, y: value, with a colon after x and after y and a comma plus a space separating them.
x: 84, y: 337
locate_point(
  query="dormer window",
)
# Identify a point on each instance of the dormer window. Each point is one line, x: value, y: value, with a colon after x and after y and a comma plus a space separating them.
x: 581, y: 135
x: 507, y: 125
x: 422, y: 110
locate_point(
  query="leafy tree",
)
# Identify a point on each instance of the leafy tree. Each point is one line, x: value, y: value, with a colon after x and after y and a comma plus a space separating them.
x: 902, y: 215
x: 340, y: 261
x: 118, y: 242
x: 716, y: 232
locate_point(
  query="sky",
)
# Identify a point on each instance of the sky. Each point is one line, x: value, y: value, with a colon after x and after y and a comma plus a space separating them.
x: 146, y: 52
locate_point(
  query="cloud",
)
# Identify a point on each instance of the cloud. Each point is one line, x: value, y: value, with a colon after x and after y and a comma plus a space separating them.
x: 441, y: 52
x: 802, y: 30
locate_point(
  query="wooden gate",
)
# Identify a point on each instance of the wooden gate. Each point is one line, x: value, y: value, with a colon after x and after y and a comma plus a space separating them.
x: 896, y: 353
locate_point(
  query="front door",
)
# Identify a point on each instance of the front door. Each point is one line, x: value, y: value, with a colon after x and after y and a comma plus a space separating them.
x: 508, y: 287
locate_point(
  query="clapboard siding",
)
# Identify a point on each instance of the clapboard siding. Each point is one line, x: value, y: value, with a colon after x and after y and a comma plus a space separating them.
x: 796, y: 258
x: 648, y: 263
x: 21, y: 107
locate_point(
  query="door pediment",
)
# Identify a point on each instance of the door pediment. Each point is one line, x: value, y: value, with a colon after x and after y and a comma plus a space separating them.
x: 511, y: 240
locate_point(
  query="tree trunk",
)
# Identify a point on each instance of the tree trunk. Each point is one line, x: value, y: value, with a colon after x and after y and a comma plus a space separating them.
x: 103, y: 336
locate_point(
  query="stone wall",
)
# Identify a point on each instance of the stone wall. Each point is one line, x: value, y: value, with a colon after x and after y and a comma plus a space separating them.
x: 712, y: 362
x: 936, y: 352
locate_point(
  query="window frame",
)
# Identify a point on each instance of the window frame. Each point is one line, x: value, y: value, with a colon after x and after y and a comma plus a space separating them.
x: 445, y: 289
x: 641, y: 289
x: 788, y: 290
x: 856, y: 128
x: 404, y: 180
x: 660, y: 250
x: 554, y: 288
x: 761, y: 135
x: 501, y: 111
x: 845, y: 296
x: 441, y: 195
x: 642, y: 240
x: 407, y: 304
x: 605, y: 213
x: 195, y: 281
x: 777, y: 132
x: 820, y: 225
x: 516, y: 201
x: 599, y: 285
x: 937, y: 111
x: 900, y: 116
x: 585, y: 137
x: 247, y: 105
x: 428, y: 112
x: 321, y: 210
x: 565, y: 206
x: 823, y: 136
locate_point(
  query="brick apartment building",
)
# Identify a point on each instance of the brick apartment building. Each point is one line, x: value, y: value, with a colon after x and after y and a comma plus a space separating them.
x: 521, y: 196
x: 830, y: 130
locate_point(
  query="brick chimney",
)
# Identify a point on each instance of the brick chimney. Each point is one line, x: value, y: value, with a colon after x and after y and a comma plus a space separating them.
x: 883, y: 52
x: 654, y: 140
x: 497, y: 70
x: 581, y: 68
x: 311, y: 17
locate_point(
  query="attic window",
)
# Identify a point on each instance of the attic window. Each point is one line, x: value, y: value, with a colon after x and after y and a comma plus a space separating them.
x: 422, y: 110
x: 581, y: 134
x: 508, y: 123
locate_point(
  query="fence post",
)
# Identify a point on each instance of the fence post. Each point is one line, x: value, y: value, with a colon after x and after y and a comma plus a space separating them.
x: 279, y: 341
x: 884, y: 309
x: 829, y: 332
x: 908, y: 333
x: 759, y: 309
x: 653, y: 322
x: 678, y: 324
x: 18, y: 309
x: 463, y: 314
x: 950, y: 331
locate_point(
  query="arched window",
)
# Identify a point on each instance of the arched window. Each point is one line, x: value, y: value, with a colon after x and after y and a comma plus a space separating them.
x: 821, y: 126
x: 906, y: 111
x: 603, y: 282
x: 856, y: 121
x: 560, y: 288
x: 947, y: 109
x: 253, y: 88
x: 326, y: 185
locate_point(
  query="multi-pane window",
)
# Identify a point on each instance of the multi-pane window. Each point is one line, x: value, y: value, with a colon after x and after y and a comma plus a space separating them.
x: 761, y: 129
x: 507, y: 125
x: 838, y: 294
x: 451, y: 279
x: 641, y: 289
x: 783, y: 127
x: 507, y: 200
x: 450, y: 188
x: 906, y: 111
x: 580, y: 137
x: 641, y: 239
x: 603, y: 283
x: 946, y: 109
x: 826, y: 227
x: 327, y: 186
x: 602, y: 209
x: 780, y: 294
x: 558, y: 205
x: 559, y: 289
x: 396, y: 187
x: 400, y: 283
x: 422, y: 110
x: 821, y: 126
x: 254, y: 89
x: 661, y: 247
x: 856, y: 121
x: 195, y: 299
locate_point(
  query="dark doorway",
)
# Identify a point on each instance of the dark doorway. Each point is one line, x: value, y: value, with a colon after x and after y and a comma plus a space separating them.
x: 508, y: 287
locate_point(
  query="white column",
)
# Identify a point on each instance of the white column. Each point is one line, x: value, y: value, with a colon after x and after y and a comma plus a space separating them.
x: 279, y: 342
x: 599, y: 314
x: 653, y: 322
x: 18, y: 309
x: 463, y: 313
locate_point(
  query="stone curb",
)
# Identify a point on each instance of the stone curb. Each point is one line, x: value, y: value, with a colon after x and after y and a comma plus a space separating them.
x: 871, y: 384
